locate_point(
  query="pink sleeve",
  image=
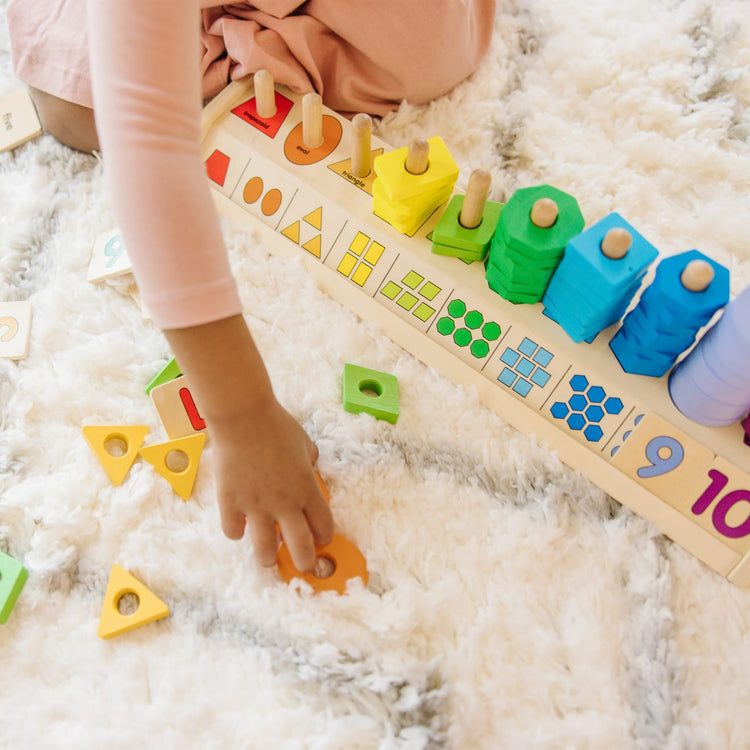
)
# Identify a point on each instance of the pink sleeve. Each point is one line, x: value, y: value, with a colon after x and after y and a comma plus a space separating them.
x: 147, y: 98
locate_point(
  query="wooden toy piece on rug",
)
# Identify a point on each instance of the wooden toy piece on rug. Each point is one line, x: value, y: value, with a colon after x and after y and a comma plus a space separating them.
x: 15, y: 329
x: 12, y: 579
x: 370, y: 391
x: 149, y: 608
x: 170, y: 371
x: 412, y: 182
x: 177, y: 461
x: 711, y: 385
x: 600, y: 273
x: 337, y: 562
x: 534, y: 227
x: 19, y: 122
x: 177, y: 410
x: 467, y: 226
x: 670, y: 313
x: 109, y: 257
x: 115, y: 447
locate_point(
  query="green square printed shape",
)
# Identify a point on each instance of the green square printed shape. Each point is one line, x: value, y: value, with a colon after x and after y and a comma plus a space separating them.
x: 429, y: 291
x: 450, y: 232
x: 424, y: 312
x: 12, y: 579
x: 390, y: 290
x: 370, y: 391
x: 412, y: 279
x: 407, y: 300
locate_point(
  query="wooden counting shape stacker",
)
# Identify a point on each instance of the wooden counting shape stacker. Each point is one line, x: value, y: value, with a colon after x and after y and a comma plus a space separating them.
x: 621, y: 430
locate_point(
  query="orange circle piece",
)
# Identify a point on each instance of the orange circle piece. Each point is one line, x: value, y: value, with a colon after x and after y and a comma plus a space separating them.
x: 271, y: 202
x: 253, y: 190
x: 348, y: 563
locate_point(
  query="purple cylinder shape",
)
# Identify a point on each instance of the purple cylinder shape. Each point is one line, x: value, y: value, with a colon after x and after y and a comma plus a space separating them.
x: 711, y: 385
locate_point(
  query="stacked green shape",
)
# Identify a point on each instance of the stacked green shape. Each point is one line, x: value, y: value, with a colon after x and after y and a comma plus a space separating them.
x: 523, y: 256
x: 12, y: 579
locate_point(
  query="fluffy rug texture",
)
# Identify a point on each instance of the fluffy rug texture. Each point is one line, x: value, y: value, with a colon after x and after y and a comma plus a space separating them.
x: 512, y: 603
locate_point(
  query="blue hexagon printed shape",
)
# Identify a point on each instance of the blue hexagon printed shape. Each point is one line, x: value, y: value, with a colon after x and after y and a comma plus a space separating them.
x: 577, y: 402
x: 596, y: 394
x: 576, y: 422
x: 613, y: 406
x: 579, y: 383
x: 595, y: 413
x: 593, y: 433
x: 559, y: 410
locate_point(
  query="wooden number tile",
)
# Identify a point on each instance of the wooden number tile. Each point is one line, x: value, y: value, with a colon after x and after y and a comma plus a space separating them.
x: 177, y: 410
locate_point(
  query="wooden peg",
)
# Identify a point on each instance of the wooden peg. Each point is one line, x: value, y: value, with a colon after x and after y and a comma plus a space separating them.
x: 361, y: 145
x: 544, y: 213
x: 418, y: 156
x: 616, y: 243
x: 697, y: 275
x: 312, y: 120
x: 477, y: 190
x: 265, y: 95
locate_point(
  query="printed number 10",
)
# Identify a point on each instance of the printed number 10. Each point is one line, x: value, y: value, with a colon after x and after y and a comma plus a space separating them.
x: 666, y: 454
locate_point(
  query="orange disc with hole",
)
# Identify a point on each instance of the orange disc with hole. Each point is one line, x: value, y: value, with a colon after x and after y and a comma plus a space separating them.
x: 348, y: 562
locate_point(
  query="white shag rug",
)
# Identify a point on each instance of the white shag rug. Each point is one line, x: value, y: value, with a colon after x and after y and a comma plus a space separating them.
x: 512, y: 604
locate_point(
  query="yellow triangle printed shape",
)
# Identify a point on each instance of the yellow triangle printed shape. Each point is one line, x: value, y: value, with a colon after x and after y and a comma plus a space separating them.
x: 315, y: 218
x: 99, y: 436
x: 182, y: 480
x: 112, y: 622
x: 314, y: 246
x: 292, y: 232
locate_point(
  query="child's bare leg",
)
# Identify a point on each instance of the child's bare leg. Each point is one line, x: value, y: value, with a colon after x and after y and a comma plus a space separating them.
x: 71, y: 124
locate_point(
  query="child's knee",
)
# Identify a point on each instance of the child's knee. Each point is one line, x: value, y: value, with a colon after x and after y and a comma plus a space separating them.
x: 71, y: 124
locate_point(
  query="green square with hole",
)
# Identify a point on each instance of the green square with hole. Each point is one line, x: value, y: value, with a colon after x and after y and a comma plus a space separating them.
x: 12, y: 579
x: 407, y: 300
x: 424, y: 312
x: 412, y: 279
x: 429, y: 291
x: 390, y: 290
x: 370, y: 391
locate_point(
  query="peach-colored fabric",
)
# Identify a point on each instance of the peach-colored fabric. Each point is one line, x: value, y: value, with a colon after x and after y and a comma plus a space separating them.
x: 148, y: 82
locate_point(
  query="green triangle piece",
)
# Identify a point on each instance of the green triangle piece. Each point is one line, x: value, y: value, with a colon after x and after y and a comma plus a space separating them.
x: 12, y: 579
x: 170, y: 371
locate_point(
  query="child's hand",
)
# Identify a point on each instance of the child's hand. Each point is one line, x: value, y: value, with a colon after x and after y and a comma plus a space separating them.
x: 264, y: 473
x: 264, y: 459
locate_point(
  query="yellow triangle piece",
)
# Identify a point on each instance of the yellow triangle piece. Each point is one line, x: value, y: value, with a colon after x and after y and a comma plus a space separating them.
x: 292, y: 232
x: 112, y: 622
x: 181, y: 481
x: 314, y: 246
x: 315, y: 218
x: 99, y: 436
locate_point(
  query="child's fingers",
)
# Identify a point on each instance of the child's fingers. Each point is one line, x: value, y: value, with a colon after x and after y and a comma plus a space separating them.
x: 265, y: 540
x: 232, y: 522
x: 320, y: 521
x: 299, y: 540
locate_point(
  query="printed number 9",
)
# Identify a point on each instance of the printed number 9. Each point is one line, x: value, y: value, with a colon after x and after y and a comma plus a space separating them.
x: 113, y: 250
x: 660, y: 465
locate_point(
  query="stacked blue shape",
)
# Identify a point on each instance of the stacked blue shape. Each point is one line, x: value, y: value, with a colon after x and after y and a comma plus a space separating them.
x: 589, y: 291
x: 668, y: 317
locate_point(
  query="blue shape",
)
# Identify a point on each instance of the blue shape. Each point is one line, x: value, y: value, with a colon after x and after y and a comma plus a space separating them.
x: 593, y: 433
x: 510, y: 357
x: 576, y: 422
x: 577, y: 402
x: 596, y: 394
x: 559, y: 410
x: 527, y: 347
x: 522, y: 387
x: 579, y: 383
x: 525, y: 367
x: 613, y: 406
x: 507, y: 377
x: 543, y: 357
x: 594, y: 413
x: 540, y: 377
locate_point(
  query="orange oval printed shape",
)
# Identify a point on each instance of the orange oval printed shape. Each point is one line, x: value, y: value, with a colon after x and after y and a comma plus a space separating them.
x: 253, y: 190
x: 271, y: 202
x: 296, y: 151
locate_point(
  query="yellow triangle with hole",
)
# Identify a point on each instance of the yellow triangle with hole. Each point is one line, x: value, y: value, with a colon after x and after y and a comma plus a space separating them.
x: 314, y: 245
x: 181, y: 481
x: 315, y: 218
x: 292, y: 232
x: 116, y: 467
x: 112, y: 622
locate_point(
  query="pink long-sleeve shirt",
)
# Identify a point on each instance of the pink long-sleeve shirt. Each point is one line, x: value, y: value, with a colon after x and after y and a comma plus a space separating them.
x: 150, y: 63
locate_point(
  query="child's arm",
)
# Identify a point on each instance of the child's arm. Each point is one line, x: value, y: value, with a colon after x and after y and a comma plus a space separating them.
x: 146, y: 80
